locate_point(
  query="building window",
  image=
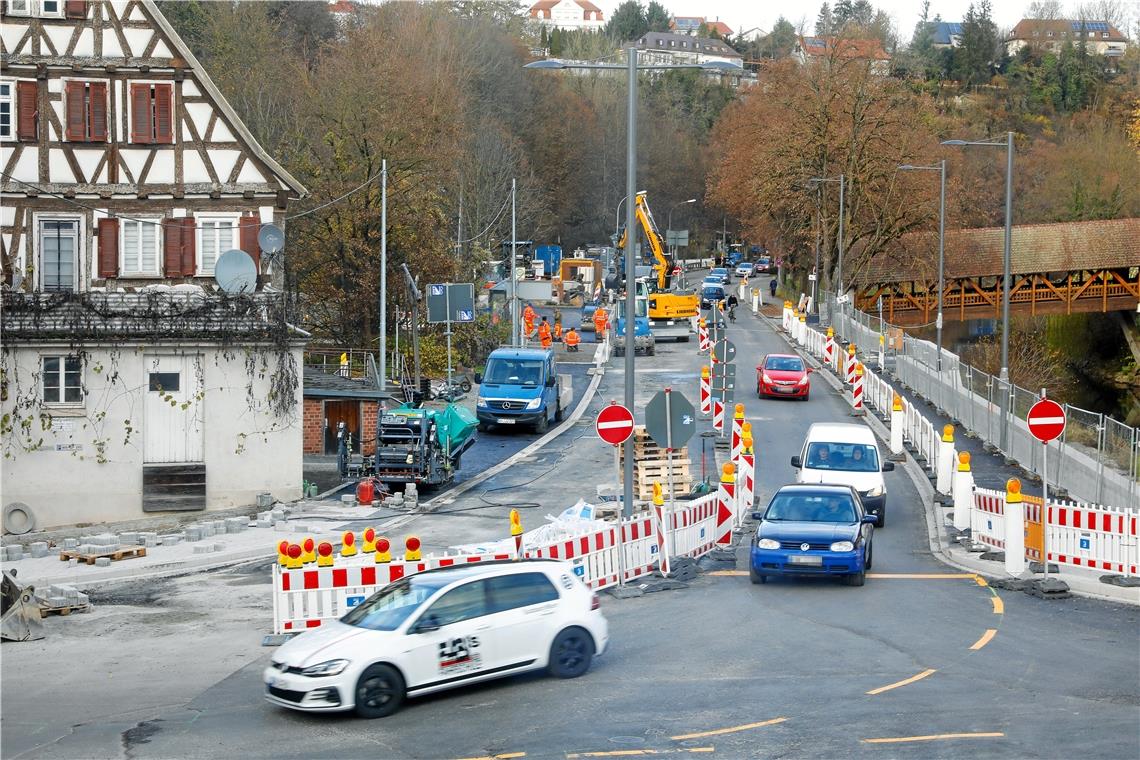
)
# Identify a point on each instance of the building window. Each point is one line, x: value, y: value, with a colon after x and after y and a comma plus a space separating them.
x: 59, y: 254
x: 51, y: 8
x: 1103, y: 35
x: 7, y: 101
x: 152, y: 113
x: 215, y: 237
x: 140, y: 247
x: 19, y: 7
x: 86, y: 111
x: 61, y: 379
x: 1048, y: 34
x: 42, y: 8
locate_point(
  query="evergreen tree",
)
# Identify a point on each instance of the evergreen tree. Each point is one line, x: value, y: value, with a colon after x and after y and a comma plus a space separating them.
x: 975, y: 60
x: 555, y: 42
x: 657, y: 17
x: 823, y: 22
x: 628, y: 22
x: 780, y: 42
x: 543, y: 40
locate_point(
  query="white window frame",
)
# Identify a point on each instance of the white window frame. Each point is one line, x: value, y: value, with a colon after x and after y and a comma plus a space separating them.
x: 125, y: 256
x: 25, y: 10
x: 35, y: 8
x: 79, y: 268
x: 57, y: 13
x: 10, y: 101
x: 63, y: 386
x: 202, y: 219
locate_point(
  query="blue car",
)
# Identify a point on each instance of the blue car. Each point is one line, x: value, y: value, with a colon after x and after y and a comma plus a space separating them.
x: 813, y: 529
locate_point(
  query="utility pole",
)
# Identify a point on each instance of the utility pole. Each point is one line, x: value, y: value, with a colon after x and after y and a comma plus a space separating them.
x: 514, y: 282
x: 383, y: 275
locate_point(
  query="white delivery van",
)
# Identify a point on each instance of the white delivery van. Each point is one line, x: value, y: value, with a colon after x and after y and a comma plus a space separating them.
x: 845, y: 454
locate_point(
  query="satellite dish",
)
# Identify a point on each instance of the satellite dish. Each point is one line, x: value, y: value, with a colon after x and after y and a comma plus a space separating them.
x: 271, y: 238
x: 235, y: 272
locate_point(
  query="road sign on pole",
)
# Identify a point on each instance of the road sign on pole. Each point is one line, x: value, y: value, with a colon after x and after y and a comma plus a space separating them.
x: 614, y: 424
x: 670, y: 421
x: 1046, y: 422
x: 724, y: 350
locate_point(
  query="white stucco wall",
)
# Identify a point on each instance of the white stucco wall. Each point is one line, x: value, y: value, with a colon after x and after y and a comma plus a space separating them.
x: 65, y: 484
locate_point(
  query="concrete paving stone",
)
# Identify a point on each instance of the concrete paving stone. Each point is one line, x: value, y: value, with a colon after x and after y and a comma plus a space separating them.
x: 265, y: 523
x: 219, y: 547
x: 281, y: 526
x: 39, y: 549
x: 70, y: 543
x: 15, y: 553
x: 102, y: 562
x: 171, y: 540
x: 151, y: 542
x: 278, y: 514
x: 130, y: 538
x: 203, y: 549
x: 56, y: 601
x: 82, y: 598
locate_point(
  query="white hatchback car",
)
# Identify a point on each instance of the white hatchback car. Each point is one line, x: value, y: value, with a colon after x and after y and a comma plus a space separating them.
x: 440, y: 629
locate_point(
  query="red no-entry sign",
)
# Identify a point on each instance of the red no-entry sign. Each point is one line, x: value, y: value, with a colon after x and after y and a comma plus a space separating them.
x: 1046, y: 420
x: 615, y: 424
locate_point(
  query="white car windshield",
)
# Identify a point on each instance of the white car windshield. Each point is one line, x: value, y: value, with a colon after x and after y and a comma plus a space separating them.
x: 388, y: 608
x: 849, y: 457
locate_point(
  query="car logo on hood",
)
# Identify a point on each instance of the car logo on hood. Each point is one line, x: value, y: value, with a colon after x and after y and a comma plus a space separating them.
x: 804, y: 547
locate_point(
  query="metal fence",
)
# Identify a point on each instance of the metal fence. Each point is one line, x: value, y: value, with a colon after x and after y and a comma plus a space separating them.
x: 1097, y: 459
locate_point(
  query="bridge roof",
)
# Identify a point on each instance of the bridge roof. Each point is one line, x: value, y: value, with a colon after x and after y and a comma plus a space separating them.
x: 1062, y: 247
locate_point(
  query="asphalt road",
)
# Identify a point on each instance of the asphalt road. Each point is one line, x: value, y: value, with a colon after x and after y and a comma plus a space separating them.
x: 920, y: 662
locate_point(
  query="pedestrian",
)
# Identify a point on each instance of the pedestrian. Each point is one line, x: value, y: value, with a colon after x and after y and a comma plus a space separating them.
x: 572, y: 340
x: 544, y: 334
x: 772, y: 286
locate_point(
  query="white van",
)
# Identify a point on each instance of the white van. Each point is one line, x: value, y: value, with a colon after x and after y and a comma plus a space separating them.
x: 848, y: 455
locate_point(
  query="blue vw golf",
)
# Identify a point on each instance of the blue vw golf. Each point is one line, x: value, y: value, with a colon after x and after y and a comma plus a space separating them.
x: 812, y: 529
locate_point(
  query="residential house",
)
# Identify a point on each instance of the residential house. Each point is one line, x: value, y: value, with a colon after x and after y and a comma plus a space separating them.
x: 668, y: 48
x: 691, y: 25
x: 1051, y: 35
x: 568, y: 14
x: 130, y: 382
x: 946, y: 34
x: 844, y: 49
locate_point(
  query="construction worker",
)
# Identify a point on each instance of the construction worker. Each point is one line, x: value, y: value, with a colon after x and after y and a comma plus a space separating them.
x: 601, y: 320
x: 572, y: 340
x: 528, y: 321
x: 544, y: 334
x: 558, y: 327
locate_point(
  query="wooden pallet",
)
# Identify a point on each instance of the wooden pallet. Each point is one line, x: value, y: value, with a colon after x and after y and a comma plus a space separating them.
x: 46, y: 610
x: 126, y: 552
x: 663, y: 463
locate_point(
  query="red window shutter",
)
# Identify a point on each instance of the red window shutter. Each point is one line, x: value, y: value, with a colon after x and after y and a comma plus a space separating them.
x: 76, y: 111
x: 172, y: 247
x: 76, y: 8
x: 108, y: 247
x: 163, y: 113
x: 189, y: 247
x: 249, y: 226
x: 97, y: 111
x: 27, y: 110
x: 140, y: 114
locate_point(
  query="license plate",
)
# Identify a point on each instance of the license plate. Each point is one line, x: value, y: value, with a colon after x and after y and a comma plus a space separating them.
x: 784, y: 390
x: 389, y: 419
x: 669, y: 323
x: 805, y: 559
x: 506, y: 421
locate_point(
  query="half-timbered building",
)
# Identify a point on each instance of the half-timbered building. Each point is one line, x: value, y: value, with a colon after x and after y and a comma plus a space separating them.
x: 130, y: 382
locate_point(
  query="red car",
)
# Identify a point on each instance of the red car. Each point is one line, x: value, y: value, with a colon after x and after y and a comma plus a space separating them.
x: 783, y: 375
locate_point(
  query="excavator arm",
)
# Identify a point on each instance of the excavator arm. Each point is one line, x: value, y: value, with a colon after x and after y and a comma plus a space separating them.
x: 662, y: 266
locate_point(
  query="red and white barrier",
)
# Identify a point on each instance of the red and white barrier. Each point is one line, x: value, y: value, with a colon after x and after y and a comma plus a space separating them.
x: 726, y: 506
x: 737, y: 432
x: 703, y: 343
x: 857, y: 391
x: 706, y: 391
x: 718, y: 415
x: 746, y: 482
x: 1094, y: 537
x: 829, y: 348
x: 849, y: 366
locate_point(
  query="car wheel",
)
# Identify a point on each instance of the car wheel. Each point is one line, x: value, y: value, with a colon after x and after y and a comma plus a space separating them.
x: 558, y: 414
x: 542, y: 425
x: 379, y: 691
x: 571, y: 652
x: 486, y: 427
x: 683, y: 339
x: 882, y: 523
x: 868, y: 556
x: 756, y: 578
x: 652, y: 351
x: 465, y: 385
x: 759, y: 394
x: 807, y: 396
x: 855, y: 579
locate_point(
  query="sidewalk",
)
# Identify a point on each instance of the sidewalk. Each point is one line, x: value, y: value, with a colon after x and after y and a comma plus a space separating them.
x: 990, y: 471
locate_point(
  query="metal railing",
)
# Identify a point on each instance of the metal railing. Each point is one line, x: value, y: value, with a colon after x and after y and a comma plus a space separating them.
x: 1097, y: 459
x: 351, y: 363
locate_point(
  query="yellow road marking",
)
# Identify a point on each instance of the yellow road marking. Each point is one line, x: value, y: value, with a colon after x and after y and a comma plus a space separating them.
x: 933, y: 737
x: 504, y: 756
x: 923, y: 576
x: 639, y: 752
x: 904, y: 682
x: 729, y: 572
x: 980, y: 581
x: 999, y: 605
x: 734, y: 729
x: 985, y: 639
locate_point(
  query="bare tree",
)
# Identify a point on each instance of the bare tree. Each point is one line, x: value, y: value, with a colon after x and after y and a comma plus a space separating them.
x: 1045, y: 10
x: 1112, y: 11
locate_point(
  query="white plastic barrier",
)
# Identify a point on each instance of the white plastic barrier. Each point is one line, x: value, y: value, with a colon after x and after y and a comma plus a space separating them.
x: 1094, y: 537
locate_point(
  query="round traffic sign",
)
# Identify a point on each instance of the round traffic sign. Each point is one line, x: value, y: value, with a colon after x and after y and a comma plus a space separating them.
x: 1046, y: 420
x: 614, y: 424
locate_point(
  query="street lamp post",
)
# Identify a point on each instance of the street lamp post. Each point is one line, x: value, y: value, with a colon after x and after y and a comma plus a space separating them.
x: 1005, y: 279
x: 842, y: 180
x: 631, y: 68
x: 941, y: 169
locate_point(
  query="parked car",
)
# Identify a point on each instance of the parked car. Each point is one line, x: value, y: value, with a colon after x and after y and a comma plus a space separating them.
x: 744, y: 269
x: 812, y: 530
x: 440, y: 629
x: 845, y: 454
x: 783, y: 375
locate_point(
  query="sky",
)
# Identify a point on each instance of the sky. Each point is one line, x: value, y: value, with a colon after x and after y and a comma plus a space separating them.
x: 743, y: 15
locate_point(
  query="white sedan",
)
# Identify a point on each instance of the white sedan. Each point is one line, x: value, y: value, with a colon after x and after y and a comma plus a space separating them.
x: 440, y: 629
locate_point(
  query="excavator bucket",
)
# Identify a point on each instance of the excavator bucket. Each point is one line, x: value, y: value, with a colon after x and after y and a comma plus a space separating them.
x: 20, y: 619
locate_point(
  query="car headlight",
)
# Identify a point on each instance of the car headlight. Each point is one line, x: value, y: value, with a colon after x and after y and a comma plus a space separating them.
x: 767, y: 378
x: 842, y: 546
x: 481, y: 401
x: 534, y: 403
x: 803, y: 380
x: 329, y: 668
x: 876, y: 491
x: 767, y: 543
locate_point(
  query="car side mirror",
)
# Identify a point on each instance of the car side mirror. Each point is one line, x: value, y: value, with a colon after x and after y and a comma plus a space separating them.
x: 550, y: 381
x: 797, y: 462
x: 888, y: 466
x: 810, y: 370
x: 870, y: 519
x: 757, y: 515
x: 478, y: 378
x: 427, y: 624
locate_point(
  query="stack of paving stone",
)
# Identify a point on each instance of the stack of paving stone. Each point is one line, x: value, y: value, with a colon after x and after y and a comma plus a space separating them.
x: 62, y: 599
x: 13, y: 552
x: 411, y: 496
x: 395, y: 501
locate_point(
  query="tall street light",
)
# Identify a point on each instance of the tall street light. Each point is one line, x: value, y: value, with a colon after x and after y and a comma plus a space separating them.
x: 941, y: 169
x: 669, y: 226
x: 631, y: 68
x: 1005, y: 279
x: 842, y: 180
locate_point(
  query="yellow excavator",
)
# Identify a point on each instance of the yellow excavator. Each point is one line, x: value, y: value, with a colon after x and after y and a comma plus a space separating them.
x: 671, y: 312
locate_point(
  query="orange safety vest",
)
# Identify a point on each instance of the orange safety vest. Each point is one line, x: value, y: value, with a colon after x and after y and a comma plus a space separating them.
x: 558, y: 331
x: 572, y: 338
x: 600, y: 320
x: 528, y: 314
